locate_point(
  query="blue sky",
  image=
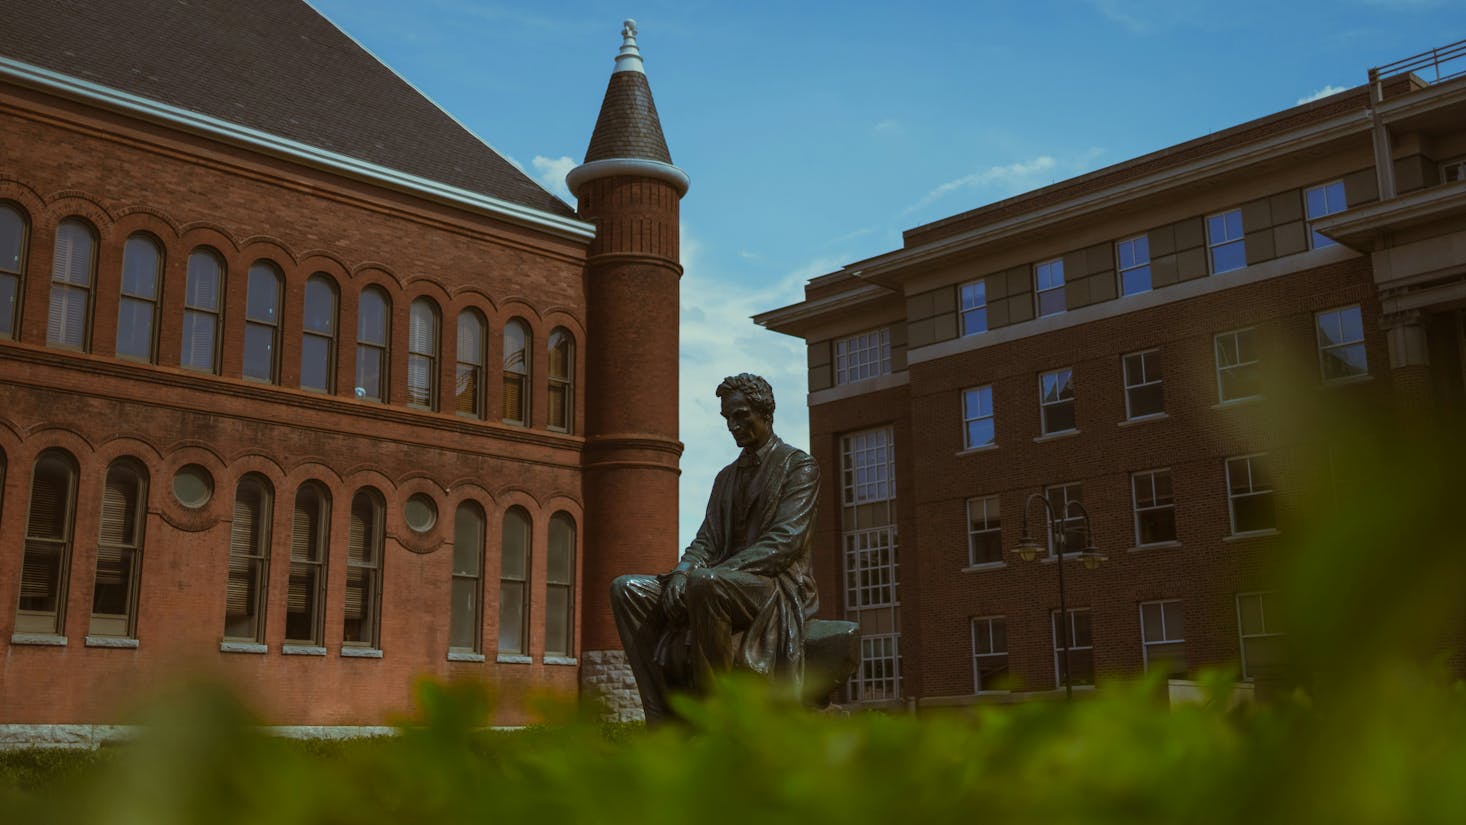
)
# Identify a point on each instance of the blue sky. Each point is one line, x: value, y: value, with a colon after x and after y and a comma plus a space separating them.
x: 815, y: 133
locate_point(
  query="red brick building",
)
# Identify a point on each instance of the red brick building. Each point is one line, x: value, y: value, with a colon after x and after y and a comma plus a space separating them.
x: 306, y: 386
x: 1129, y: 340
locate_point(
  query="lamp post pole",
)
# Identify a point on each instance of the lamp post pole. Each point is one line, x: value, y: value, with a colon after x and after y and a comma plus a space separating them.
x: 1028, y: 550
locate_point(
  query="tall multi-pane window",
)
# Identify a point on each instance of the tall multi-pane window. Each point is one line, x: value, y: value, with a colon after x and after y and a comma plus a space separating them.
x: 1225, y: 247
x: 1048, y: 280
x: 516, y: 372
x: 1070, y: 520
x: 262, y: 323
x: 1076, y: 632
x: 989, y: 653
x: 977, y: 418
x: 1260, y: 628
x: 468, y: 393
x: 562, y: 380
x: 1341, y: 343
x: 869, y: 540
x: 373, y: 314
x: 1321, y: 200
x: 249, y: 556
x: 863, y: 355
x: 560, y: 587
x: 71, y: 285
x: 137, y: 307
x: 974, y: 297
x: 422, y: 355
x: 43, y: 571
x: 1133, y: 256
x: 309, y: 550
x: 202, y: 300
x: 318, y: 335
x: 1056, y: 401
x: 1239, y: 365
x: 1163, y: 637
x: 12, y: 267
x: 1155, y: 507
x: 984, y: 531
x: 1143, y: 393
x: 363, y: 597
x: 1250, y: 494
x: 514, y: 583
x: 119, y: 550
x: 465, y: 613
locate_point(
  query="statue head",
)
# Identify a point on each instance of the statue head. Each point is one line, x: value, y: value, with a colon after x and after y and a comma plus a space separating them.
x: 748, y: 407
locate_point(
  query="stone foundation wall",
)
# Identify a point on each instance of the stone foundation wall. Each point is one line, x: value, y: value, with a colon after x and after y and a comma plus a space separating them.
x: 605, y: 676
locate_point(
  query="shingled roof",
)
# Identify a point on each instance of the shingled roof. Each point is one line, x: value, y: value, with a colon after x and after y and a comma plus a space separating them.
x: 276, y: 66
x: 628, y: 126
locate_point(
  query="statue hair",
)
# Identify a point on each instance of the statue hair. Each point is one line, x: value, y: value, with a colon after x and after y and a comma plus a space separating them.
x: 756, y: 391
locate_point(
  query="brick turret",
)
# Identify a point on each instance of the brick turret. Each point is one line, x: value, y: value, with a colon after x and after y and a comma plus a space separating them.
x: 630, y: 190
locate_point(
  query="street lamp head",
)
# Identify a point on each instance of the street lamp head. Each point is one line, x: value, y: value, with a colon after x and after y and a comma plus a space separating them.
x: 1027, y: 548
x: 1091, y: 557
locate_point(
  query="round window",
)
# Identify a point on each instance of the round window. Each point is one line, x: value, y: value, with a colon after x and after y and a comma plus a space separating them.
x: 421, y: 513
x: 193, y: 486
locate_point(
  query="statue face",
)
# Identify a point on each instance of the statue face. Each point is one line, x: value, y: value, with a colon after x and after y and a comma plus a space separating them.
x: 750, y: 430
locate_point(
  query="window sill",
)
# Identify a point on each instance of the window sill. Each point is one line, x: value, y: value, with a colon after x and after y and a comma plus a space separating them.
x: 243, y: 647
x: 360, y: 652
x: 1160, y: 545
x: 122, y: 642
x: 464, y: 656
x: 1251, y: 534
x: 989, y: 565
x: 513, y: 659
x: 1344, y: 382
x: 1143, y: 419
x: 561, y: 660
x: 302, y: 650
x: 1056, y: 436
x: 971, y: 450
x: 42, y: 639
x: 1238, y: 402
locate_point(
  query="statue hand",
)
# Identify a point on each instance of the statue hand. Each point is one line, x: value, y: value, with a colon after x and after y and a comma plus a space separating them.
x: 674, y: 604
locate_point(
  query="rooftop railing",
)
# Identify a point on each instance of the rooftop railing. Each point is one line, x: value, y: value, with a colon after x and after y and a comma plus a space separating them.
x: 1432, y: 67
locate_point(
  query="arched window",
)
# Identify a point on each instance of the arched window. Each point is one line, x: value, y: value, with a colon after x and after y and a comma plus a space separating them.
x: 466, y: 613
x: 262, y: 322
x: 119, y: 550
x: 249, y: 557
x: 318, y: 331
x: 469, y: 393
x: 422, y: 355
x: 372, y: 313
x: 137, y: 308
x: 71, y: 285
x: 516, y: 372
x: 560, y: 587
x: 43, y: 570
x: 202, y: 301
x: 12, y: 267
x: 514, y: 583
x: 364, y: 571
x: 562, y: 379
x: 309, y: 542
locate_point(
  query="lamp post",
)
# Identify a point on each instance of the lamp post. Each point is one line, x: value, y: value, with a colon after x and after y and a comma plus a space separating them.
x: 1028, y: 549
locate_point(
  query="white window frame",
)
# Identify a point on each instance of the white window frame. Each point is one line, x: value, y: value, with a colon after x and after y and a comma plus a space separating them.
x: 1325, y: 346
x: 1267, y: 630
x: 878, y: 652
x: 987, y: 512
x: 1148, y: 358
x: 1070, y: 492
x: 1149, y: 477
x: 1214, y: 244
x: 1060, y: 400
x: 1254, y: 364
x: 1253, y: 491
x: 1333, y: 201
x: 984, y: 412
x: 1139, y: 243
x: 863, y: 355
x: 982, y: 626
x: 1048, y: 278
x: 1146, y: 645
x: 1074, y: 648
x: 973, y: 302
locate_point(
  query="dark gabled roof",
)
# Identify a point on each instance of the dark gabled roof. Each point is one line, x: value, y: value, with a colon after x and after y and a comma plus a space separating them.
x: 276, y: 66
x: 628, y: 126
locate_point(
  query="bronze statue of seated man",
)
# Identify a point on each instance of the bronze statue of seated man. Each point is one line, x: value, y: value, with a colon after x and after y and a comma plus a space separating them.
x: 742, y: 595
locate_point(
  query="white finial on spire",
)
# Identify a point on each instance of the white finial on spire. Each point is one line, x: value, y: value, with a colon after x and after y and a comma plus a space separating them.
x: 629, y: 58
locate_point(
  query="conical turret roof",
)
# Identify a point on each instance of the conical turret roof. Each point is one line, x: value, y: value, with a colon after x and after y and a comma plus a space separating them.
x: 628, y: 126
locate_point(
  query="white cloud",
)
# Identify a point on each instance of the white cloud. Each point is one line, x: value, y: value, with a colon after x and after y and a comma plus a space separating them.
x: 552, y: 172
x: 1322, y: 93
x: 889, y: 126
x: 749, y: 256
x: 1009, y: 179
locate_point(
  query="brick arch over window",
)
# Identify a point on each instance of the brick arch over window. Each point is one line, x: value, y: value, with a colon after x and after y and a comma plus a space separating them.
x: 73, y: 278
x: 14, y: 244
x: 46, y: 558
